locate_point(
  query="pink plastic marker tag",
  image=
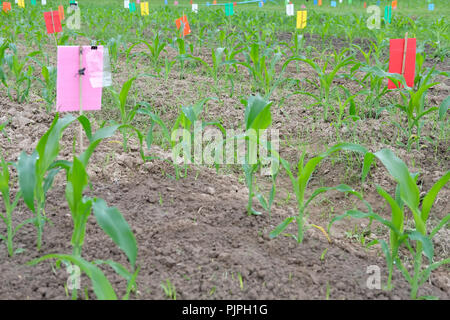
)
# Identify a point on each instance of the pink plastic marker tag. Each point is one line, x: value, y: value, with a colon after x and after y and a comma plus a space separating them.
x: 68, y: 85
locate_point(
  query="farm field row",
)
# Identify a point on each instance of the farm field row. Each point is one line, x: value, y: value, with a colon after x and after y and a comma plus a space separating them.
x: 349, y: 179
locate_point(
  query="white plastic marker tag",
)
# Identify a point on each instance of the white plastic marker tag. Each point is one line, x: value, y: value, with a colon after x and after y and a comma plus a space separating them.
x: 195, y: 8
x: 126, y: 4
x: 290, y: 9
x: 340, y: 1
x: 17, y: 1
x: 43, y: 2
x: 99, y: 66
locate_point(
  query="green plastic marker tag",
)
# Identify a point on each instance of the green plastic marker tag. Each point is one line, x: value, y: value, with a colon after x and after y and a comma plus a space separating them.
x: 349, y: 1
x: 388, y: 14
x: 33, y: 2
x: 229, y: 9
x: 132, y: 7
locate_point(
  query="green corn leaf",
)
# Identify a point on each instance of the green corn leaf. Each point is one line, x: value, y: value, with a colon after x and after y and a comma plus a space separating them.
x: 48, y: 181
x: 48, y: 145
x: 102, y: 287
x: 397, y: 168
x: 445, y: 105
x: 27, y: 177
x: 77, y: 180
x: 442, y: 223
x: 257, y: 113
x: 86, y: 124
x: 113, y: 223
x: 156, y: 119
x: 117, y: 267
x: 426, y: 243
x: 386, y: 251
x: 4, y: 177
x: 262, y: 201
x: 425, y: 274
x: 368, y: 160
x: 341, y: 188
x: 124, y: 94
x: 98, y: 136
x: 417, y: 96
x: 397, y: 212
x: 362, y: 215
x: 430, y: 197
x: 280, y: 228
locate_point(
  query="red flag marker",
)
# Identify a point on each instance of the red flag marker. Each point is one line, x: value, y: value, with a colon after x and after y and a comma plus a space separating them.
x: 52, y: 22
x: 183, y: 20
x: 6, y: 6
x: 402, y: 60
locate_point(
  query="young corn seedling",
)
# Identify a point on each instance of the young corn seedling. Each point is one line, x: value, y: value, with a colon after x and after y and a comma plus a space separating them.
x: 261, y: 65
x: 114, y: 44
x: 167, y: 68
x: 258, y: 118
x: 109, y: 219
x: 189, y: 116
x: 22, y: 77
x: 182, y: 56
x: 9, y: 205
x: 169, y: 290
x: 155, y: 49
x: 407, y: 194
x: 36, y: 171
x: 49, y: 86
x: 414, y: 106
x: 155, y: 119
x: 375, y: 79
x: 300, y: 184
x: 218, y: 61
x: 3, y: 47
x: 48, y: 81
x: 186, y: 121
x: 126, y: 115
x: 326, y: 78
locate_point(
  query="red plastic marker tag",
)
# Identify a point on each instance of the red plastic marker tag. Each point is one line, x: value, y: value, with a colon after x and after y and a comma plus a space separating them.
x: 6, y: 6
x: 397, y: 53
x: 52, y: 22
x: 183, y: 21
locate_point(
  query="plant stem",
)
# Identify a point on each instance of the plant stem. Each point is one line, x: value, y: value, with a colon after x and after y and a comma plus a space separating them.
x: 39, y: 225
x: 417, y: 267
x: 250, y: 196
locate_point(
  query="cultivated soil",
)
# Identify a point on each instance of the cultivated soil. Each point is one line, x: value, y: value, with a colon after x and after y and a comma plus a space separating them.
x: 195, y: 231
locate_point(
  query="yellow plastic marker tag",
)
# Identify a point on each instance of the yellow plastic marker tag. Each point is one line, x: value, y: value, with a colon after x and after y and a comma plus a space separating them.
x: 21, y: 3
x: 301, y: 19
x: 144, y: 9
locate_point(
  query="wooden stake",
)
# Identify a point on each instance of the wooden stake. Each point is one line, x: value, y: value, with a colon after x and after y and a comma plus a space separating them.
x: 405, y: 48
x: 81, y: 95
